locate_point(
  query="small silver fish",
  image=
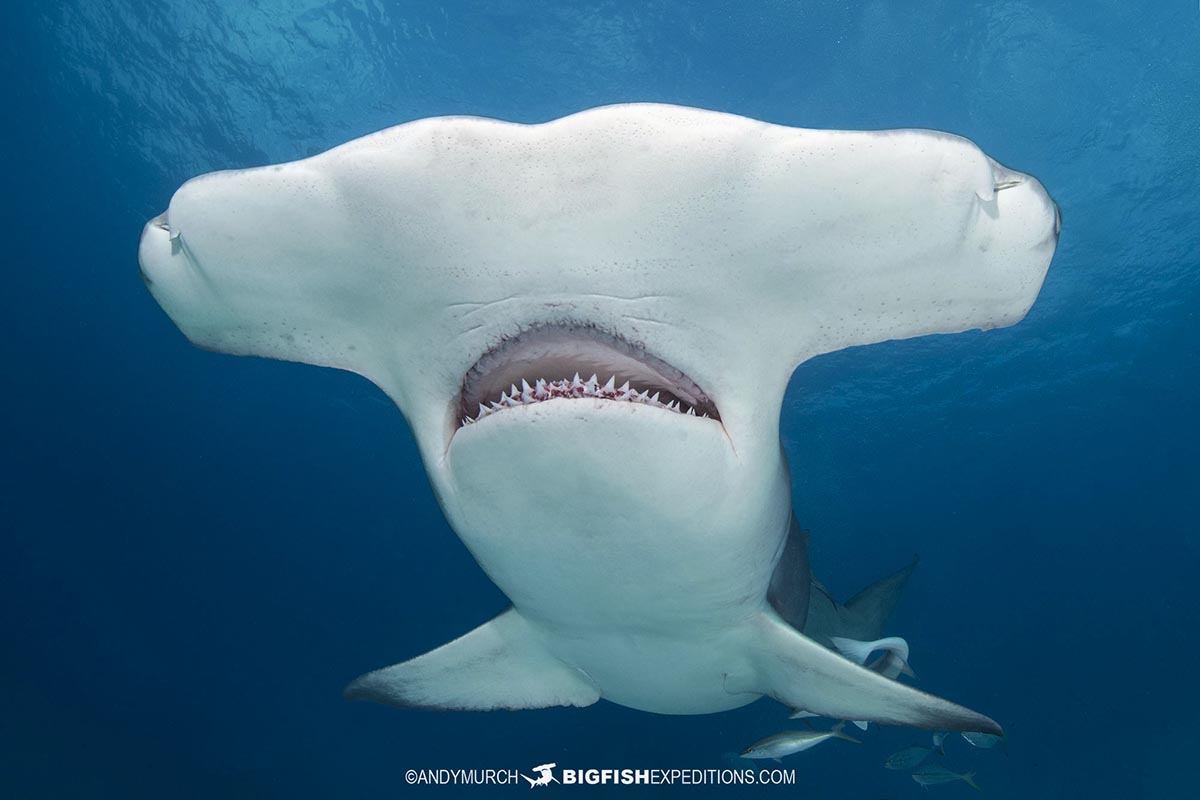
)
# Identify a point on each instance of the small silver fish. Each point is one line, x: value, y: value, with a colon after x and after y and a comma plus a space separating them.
x: 984, y: 740
x: 935, y: 774
x: 786, y: 743
x: 909, y: 757
x: 802, y: 714
x: 939, y: 742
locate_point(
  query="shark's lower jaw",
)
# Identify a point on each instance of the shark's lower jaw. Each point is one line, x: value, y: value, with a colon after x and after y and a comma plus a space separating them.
x: 546, y: 362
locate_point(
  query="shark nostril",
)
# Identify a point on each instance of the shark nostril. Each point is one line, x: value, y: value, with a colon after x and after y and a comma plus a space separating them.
x: 1057, y: 220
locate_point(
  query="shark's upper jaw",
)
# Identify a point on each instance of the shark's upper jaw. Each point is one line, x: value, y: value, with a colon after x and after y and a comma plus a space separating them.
x: 575, y: 361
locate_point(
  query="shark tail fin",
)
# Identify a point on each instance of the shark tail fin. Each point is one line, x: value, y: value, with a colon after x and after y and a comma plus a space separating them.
x: 840, y: 732
x: 868, y: 611
x: 800, y: 673
x: 502, y: 664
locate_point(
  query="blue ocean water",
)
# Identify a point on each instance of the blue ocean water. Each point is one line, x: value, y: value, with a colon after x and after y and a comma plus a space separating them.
x: 201, y: 550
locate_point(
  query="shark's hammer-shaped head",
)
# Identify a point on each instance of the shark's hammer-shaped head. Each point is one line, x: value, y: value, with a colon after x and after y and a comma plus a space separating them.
x: 693, y: 256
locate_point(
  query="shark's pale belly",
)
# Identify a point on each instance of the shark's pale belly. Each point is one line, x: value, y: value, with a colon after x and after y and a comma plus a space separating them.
x: 688, y: 672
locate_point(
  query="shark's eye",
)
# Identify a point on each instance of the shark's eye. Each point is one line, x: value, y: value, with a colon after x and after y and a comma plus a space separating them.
x: 548, y: 362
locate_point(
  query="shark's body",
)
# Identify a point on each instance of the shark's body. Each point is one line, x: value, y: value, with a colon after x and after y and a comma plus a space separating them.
x: 651, y: 556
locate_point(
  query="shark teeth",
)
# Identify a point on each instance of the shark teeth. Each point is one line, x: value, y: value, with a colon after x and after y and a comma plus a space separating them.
x: 575, y: 388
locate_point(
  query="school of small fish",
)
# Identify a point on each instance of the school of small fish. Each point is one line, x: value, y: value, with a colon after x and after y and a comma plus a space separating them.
x: 922, y: 763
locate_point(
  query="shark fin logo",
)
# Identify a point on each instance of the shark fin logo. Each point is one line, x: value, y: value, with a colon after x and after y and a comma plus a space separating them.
x: 545, y: 776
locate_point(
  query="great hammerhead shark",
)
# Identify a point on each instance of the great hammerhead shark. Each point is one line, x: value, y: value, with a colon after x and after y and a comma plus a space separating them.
x: 589, y: 325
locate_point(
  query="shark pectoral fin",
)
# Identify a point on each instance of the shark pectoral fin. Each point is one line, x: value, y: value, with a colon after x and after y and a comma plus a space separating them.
x: 802, y: 674
x: 502, y: 664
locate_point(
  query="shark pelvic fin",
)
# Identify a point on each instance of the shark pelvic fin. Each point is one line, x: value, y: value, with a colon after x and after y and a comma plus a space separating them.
x: 802, y: 674
x: 859, y: 652
x: 502, y: 664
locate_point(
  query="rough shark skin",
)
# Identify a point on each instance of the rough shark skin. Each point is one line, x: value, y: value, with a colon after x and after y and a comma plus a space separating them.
x: 695, y: 253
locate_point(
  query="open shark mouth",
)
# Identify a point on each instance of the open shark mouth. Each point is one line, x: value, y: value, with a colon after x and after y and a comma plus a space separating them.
x: 548, y: 362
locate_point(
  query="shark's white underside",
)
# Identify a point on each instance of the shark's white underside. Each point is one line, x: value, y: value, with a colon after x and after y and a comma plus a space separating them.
x: 636, y: 544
